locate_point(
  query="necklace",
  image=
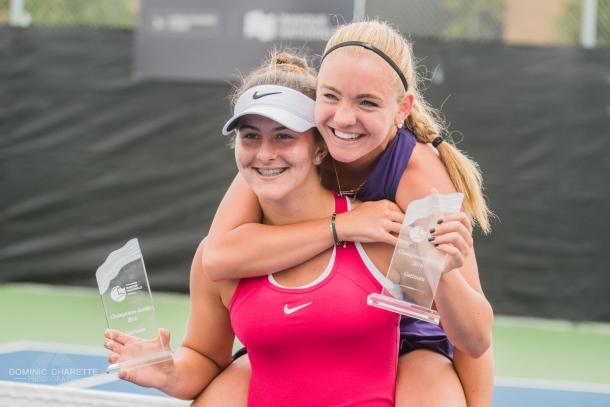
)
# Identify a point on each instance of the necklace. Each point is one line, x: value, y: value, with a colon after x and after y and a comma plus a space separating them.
x: 350, y: 193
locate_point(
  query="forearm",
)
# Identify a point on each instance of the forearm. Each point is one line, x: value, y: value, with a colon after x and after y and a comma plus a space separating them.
x: 239, y: 246
x: 190, y: 374
x: 255, y: 249
x: 465, y: 313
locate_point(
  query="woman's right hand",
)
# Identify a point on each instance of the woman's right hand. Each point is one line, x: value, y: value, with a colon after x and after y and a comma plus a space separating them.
x: 370, y: 222
x: 125, y: 347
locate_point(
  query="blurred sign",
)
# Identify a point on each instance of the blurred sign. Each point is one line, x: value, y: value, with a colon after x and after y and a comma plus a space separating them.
x: 217, y: 40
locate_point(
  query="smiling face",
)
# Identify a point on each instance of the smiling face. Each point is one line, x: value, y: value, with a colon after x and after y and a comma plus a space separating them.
x: 276, y: 161
x: 357, y: 105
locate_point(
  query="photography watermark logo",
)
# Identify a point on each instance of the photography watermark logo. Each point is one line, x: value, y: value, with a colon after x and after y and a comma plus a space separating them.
x: 50, y: 368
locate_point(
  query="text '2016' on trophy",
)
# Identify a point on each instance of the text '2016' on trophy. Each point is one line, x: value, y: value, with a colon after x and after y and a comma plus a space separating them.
x: 129, y: 307
x: 416, y: 266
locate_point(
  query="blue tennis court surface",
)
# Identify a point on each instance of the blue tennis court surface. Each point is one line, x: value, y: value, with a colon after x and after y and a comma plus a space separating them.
x: 535, y: 393
x: 520, y: 396
x: 84, y: 368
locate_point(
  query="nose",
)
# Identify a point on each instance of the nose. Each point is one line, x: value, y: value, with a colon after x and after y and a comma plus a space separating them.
x: 345, y: 116
x: 266, y: 151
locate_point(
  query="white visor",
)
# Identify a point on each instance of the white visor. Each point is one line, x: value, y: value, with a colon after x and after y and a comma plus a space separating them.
x: 284, y: 105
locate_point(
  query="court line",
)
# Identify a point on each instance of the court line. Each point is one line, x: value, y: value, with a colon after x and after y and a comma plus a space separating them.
x: 551, y: 324
x: 40, y: 394
x: 84, y: 292
x: 553, y: 385
x: 19, y: 346
x: 81, y: 292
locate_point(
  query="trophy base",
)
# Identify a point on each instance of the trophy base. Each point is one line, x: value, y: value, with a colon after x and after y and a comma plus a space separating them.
x: 140, y: 362
x: 404, y: 308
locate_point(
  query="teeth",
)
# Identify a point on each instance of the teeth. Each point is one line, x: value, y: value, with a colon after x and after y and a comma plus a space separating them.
x: 346, y: 136
x: 269, y: 172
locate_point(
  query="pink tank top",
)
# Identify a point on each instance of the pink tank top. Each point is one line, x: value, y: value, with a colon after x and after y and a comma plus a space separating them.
x: 319, y: 344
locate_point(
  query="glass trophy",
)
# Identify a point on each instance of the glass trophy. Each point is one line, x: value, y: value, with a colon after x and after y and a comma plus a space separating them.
x: 416, y: 266
x: 129, y: 308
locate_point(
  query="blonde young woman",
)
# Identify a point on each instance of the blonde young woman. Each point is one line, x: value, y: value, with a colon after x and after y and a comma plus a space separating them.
x: 302, y: 325
x: 384, y: 142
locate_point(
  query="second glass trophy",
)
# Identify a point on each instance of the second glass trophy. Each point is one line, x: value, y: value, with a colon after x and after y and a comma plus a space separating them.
x: 416, y: 266
x: 129, y: 307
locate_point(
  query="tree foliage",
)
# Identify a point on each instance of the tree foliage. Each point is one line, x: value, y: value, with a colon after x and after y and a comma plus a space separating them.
x: 107, y: 13
x: 474, y: 19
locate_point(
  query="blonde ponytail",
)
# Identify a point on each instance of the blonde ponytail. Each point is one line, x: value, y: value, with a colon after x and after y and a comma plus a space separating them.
x: 466, y: 177
x: 464, y: 172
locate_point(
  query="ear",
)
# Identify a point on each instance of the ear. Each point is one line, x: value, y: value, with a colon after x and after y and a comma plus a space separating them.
x: 321, y: 152
x: 404, y: 109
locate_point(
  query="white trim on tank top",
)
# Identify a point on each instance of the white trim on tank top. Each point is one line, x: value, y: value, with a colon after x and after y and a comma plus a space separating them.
x: 393, y: 288
x: 378, y: 275
x: 315, y: 282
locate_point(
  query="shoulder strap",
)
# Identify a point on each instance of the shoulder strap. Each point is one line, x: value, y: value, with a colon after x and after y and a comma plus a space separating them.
x: 340, y: 203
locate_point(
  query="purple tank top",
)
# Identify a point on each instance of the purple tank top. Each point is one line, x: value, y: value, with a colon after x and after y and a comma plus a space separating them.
x: 382, y: 183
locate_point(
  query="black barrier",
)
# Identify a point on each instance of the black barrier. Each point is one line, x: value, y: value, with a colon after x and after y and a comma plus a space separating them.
x: 90, y: 158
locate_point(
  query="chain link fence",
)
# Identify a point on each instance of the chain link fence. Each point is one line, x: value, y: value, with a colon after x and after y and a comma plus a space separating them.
x: 542, y: 22
x: 480, y: 20
x: 603, y: 23
x: 569, y: 23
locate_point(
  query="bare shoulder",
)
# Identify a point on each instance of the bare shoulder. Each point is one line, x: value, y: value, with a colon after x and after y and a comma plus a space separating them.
x: 424, y: 172
x: 202, y: 285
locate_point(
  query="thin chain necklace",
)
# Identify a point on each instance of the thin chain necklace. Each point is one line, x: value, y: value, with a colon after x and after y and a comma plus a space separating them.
x: 350, y: 193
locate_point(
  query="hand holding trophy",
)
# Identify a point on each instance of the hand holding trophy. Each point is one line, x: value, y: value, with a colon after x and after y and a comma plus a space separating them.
x: 128, y: 348
x: 416, y: 266
x: 133, y: 333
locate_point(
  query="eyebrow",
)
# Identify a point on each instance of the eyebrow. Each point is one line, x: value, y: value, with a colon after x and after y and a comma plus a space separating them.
x: 359, y: 96
x: 249, y: 126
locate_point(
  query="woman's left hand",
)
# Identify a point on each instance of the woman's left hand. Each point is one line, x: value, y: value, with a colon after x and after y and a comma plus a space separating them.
x: 453, y: 236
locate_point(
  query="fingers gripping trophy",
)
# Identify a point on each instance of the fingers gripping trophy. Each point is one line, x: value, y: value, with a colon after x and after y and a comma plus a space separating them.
x: 417, y: 265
